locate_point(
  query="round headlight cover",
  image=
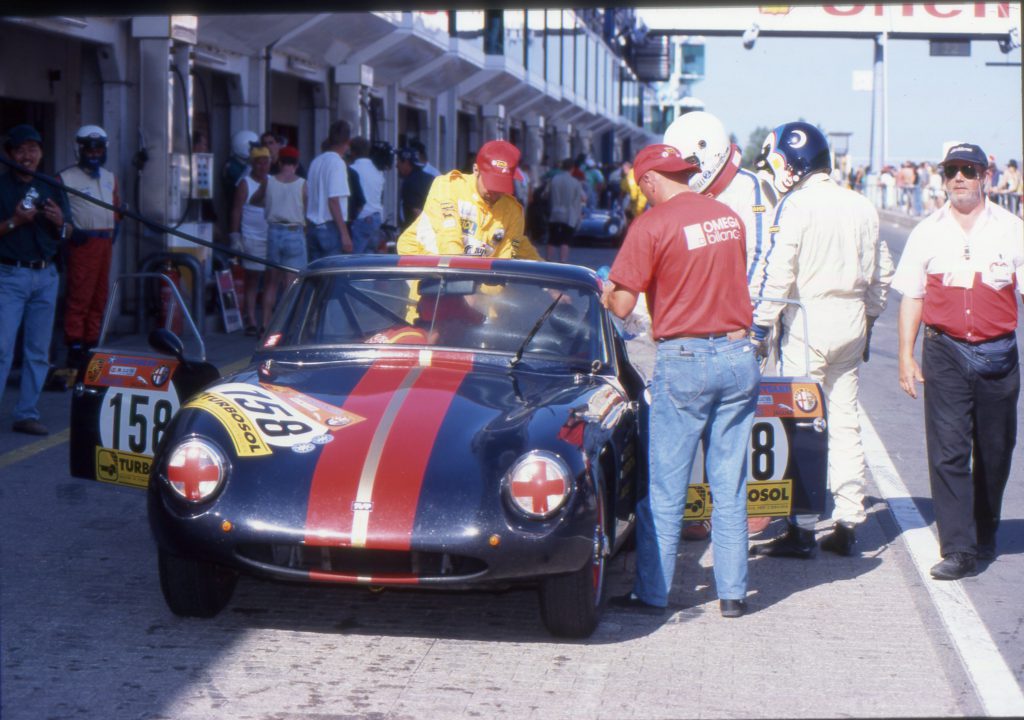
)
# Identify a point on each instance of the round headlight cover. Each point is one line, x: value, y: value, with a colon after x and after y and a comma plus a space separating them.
x: 195, y: 469
x: 538, y: 484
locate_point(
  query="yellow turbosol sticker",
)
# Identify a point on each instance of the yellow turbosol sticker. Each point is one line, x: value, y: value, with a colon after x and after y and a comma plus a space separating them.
x: 769, y: 498
x: 123, y: 468
x: 247, y: 440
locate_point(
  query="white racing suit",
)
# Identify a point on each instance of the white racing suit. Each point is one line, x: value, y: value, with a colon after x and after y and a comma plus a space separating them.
x: 824, y: 250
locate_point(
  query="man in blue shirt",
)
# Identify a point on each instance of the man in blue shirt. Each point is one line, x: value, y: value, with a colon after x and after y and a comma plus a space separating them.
x: 32, y: 224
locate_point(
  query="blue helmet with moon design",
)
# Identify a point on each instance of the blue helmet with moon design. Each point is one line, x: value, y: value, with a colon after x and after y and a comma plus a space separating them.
x: 790, y: 153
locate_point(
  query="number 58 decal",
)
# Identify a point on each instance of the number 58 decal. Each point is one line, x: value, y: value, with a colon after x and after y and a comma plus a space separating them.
x: 135, y: 420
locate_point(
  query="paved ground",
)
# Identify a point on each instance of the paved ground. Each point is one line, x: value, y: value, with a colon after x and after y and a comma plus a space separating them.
x: 85, y: 633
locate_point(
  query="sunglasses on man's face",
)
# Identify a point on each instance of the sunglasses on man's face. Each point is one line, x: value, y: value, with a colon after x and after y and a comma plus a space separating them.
x: 968, y: 171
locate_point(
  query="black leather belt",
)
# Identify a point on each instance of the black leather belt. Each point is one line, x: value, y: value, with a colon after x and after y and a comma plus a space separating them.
x: 30, y: 264
x: 732, y: 335
x: 287, y: 226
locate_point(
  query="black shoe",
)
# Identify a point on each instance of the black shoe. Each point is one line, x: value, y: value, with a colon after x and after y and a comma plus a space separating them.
x: 251, y: 331
x: 732, y: 608
x: 954, y: 566
x: 840, y: 541
x: 30, y: 427
x: 986, y: 551
x: 630, y: 601
x: 796, y: 543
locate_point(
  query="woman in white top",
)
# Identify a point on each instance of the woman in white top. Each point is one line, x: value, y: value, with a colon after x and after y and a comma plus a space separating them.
x: 249, y: 228
x: 286, y: 237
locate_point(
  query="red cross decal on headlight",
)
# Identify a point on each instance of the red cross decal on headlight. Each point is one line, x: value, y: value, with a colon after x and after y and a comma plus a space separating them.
x: 539, y: 487
x: 188, y: 476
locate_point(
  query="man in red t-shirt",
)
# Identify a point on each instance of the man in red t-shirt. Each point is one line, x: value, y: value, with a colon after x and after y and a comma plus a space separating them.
x: 688, y: 254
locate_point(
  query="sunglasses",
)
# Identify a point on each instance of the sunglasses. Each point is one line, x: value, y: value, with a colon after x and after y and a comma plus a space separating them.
x: 968, y: 171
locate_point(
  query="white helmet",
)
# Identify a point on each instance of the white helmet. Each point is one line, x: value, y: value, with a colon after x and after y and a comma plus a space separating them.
x: 90, y: 137
x: 242, y: 141
x: 91, y: 134
x: 701, y: 135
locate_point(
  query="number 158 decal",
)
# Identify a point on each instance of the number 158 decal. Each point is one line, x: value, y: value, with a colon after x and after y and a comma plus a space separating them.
x: 769, y: 450
x: 135, y: 420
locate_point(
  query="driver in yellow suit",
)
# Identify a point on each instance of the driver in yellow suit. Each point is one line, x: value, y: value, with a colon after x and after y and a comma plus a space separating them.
x: 474, y: 214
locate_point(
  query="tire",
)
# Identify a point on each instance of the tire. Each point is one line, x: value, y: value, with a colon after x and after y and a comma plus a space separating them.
x: 194, y: 588
x: 571, y: 604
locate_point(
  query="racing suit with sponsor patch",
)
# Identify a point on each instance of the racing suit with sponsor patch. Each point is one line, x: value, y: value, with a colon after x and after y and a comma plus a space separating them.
x: 456, y: 221
x: 754, y: 202
x: 824, y: 250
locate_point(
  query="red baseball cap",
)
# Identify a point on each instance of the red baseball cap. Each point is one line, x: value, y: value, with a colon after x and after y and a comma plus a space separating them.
x: 665, y: 158
x: 497, y: 162
x: 288, y: 152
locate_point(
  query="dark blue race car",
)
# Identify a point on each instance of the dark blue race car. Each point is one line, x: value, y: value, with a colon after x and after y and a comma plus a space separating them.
x: 429, y: 422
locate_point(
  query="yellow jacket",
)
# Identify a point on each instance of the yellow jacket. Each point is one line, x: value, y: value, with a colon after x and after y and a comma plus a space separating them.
x: 455, y: 218
x: 637, y: 200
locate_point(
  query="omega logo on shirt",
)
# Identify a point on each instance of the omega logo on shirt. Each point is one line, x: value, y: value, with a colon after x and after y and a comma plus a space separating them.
x: 709, y: 232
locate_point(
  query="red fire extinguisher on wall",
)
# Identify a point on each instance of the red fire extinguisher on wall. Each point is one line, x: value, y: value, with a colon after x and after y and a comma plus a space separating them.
x: 170, y: 310
x: 238, y: 276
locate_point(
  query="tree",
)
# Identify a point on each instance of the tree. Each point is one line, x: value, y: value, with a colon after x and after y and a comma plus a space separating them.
x: 753, y: 148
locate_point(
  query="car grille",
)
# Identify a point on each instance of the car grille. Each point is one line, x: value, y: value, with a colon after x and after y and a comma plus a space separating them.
x: 364, y: 562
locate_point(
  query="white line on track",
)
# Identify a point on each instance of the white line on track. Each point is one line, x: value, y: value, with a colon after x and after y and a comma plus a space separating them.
x: 995, y: 684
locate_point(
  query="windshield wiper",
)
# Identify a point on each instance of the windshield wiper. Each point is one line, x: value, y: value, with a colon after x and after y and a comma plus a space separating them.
x: 533, y: 331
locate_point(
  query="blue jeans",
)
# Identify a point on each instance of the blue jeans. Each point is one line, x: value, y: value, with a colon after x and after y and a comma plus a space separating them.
x: 365, y: 233
x: 323, y: 240
x: 286, y: 246
x: 29, y: 295
x: 701, y: 389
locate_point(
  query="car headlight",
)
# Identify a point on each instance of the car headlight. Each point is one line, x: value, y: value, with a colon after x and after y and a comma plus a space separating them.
x: 613, y: 229
x: 196, y: 469
x: 538, y: 484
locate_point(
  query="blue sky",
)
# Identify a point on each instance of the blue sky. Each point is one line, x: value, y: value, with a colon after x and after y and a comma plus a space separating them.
x: 931, y: 99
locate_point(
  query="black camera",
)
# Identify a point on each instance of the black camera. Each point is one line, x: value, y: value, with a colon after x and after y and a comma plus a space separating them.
x: 31, y: 199
x: 382, y: 155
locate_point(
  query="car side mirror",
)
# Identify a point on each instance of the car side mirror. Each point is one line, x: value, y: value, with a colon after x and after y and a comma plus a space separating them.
x: 164, y: 341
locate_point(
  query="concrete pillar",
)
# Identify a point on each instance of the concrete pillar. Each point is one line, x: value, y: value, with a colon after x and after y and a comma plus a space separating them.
x: 352, y: 82
x: 494, y: 122
x: 155, y: 88
x: 563, y: 146
x: 533, y: 153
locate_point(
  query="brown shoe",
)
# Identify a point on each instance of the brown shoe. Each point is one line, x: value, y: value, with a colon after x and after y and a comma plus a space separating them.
x: 30, y: 427
x: 697, y: 531
x: 756, y: 525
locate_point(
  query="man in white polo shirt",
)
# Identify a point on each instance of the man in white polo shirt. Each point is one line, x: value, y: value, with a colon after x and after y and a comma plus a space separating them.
x: 959, y: 274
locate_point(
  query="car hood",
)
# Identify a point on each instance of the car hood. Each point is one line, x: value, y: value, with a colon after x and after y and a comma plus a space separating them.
x: 395, y: 439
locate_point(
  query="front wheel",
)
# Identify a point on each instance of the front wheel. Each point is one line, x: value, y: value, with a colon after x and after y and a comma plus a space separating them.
x: 571, y: 604
x: 195, y: 588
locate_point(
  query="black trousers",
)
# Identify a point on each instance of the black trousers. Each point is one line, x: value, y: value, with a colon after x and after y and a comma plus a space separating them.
x: 971, y: 427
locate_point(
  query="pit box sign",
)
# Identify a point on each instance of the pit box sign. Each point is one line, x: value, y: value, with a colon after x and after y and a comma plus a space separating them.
x: 230, y: 311
x: 765, y: 499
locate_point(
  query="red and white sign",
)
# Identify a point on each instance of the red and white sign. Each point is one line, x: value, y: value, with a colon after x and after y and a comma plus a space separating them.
x: 966, y: 20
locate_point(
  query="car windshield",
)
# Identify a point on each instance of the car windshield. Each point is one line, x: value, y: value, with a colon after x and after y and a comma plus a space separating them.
x: 462, y: 311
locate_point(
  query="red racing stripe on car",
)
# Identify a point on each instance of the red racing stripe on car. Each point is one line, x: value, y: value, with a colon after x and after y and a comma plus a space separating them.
x: 336, y: 476
x: 407, y: 451
x: 418, y: 261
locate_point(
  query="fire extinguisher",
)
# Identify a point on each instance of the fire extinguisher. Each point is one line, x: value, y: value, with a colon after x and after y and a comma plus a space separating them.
x: 238, y: 276
x: 169, y: 304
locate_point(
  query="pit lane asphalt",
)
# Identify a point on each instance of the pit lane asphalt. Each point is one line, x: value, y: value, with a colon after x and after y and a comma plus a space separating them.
x: 85, y: 632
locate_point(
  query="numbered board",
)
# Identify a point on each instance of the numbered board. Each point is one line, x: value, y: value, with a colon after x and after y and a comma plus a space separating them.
x: 787, y: 460
x: 121, y: 410
x: 263, y: 418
